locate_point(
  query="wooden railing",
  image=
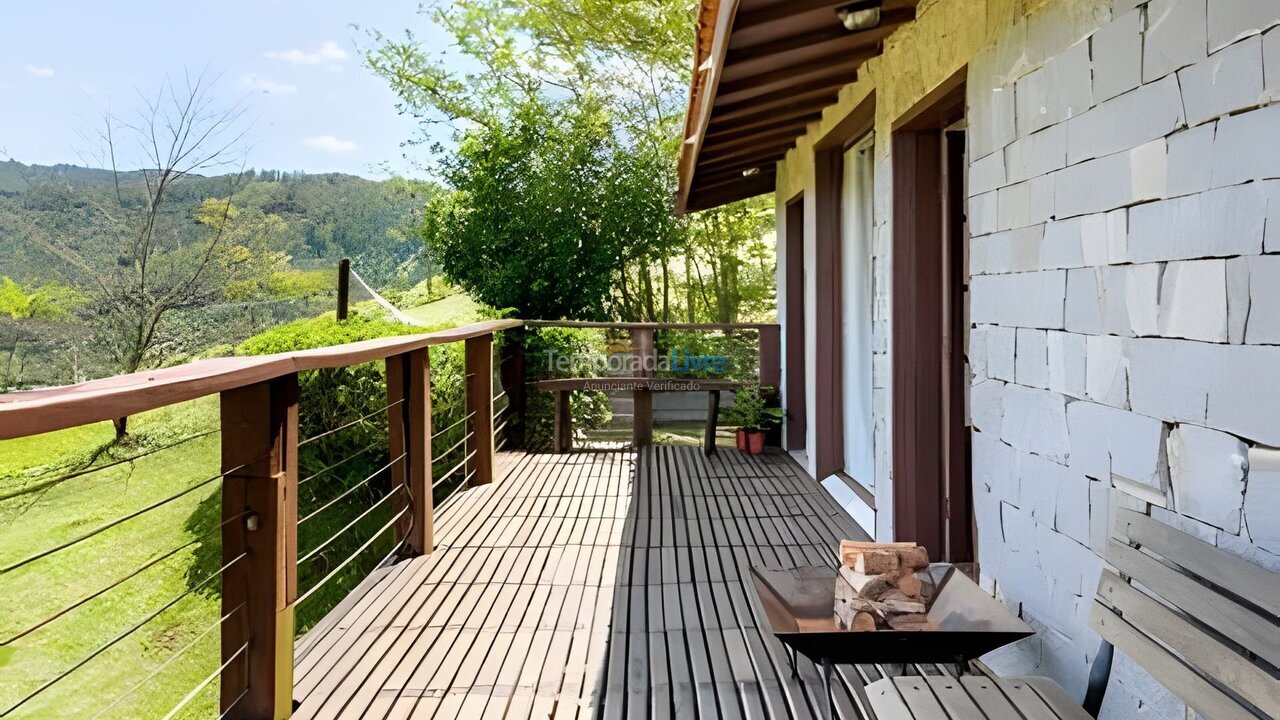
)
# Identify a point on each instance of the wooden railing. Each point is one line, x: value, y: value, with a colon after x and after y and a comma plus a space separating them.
x: 643, y: 384
x: 259, y: 426
x: 258, y: 422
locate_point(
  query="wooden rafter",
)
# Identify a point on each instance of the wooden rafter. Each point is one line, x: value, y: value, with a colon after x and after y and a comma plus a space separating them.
x: 841, y: 68
x: 797, y: 121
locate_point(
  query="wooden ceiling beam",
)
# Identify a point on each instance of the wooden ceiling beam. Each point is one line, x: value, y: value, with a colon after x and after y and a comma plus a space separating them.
x: 757, y: 137
x: 811, y: 95
x: 748, y: 155
x: 737, y: 165
x: 831, y: 40
x: 730, y: 192
x: 838, y: 68
x: 777, y: 12
x: 745, y: 122
x: 782, y: 11
x: 763, y: 124
x: 726, y: 176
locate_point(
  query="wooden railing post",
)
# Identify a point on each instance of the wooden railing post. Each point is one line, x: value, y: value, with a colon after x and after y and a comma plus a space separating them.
x: 771, y: 356
x: 344, y: 287
x: 409, y: 434
x: 643, y: 351
x: 259, y: 490
x: 512, y: 373
x: 771, y: 376
x: 479, y: 370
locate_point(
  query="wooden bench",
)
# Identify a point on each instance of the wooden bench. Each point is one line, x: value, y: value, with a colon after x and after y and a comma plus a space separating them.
x: 643, y: 389
x: 1202, y: 622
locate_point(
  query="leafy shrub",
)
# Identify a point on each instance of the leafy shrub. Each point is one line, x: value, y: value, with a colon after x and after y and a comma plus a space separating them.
x: 751, y: 410
x: 321, y: 331
x: 741, y: 348
x: 353, y: 458
x: 301, y: 283
x: 583, y: 352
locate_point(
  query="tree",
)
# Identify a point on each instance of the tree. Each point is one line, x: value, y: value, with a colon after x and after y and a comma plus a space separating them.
x: 31, y: 312
x: 137, y: 264
x: 631, y: 60
x: 545, y: 209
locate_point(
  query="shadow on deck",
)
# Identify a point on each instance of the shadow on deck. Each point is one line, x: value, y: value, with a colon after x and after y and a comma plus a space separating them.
x: 590, y: 584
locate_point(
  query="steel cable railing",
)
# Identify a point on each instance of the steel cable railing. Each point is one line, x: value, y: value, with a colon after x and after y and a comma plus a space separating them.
x: 118, y: 521
x: 452, y: 425
x: 339, y: 463
x: 353, y: 423
x: 347, y: 493
x: 122, y: 635
x: 458, y: 444
x: 398, y: 498
x: 199, y: 688
x: 462, y: 463
x: 45, y: 484
x: 122, y: 580
x: 316, y: 550
x: 332, y: 573
x: 358, y: 493
x: 179, y: 654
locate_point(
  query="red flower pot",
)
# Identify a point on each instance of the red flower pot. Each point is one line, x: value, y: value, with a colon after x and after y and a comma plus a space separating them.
x: 741, y: 437
x: 755, y: 441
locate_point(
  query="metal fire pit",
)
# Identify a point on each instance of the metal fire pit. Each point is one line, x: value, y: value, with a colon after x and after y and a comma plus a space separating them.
x: 800, y: 606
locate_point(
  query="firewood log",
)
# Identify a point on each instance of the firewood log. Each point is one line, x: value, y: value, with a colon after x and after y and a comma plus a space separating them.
x: 868, y: 586
x: 915, y: 558
x: 863, y: 622
x: 895, y: 603
x: 910, y: 585
x: 876, y: 562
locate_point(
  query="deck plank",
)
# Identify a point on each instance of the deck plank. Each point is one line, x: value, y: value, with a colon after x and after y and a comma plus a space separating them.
x: 585, y: 584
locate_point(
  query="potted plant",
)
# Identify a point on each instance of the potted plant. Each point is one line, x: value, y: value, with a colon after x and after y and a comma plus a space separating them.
x: 750, y: 409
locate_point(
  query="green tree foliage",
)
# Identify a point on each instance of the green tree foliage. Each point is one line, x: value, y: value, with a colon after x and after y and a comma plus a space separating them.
x: 30, y: 325
x: 628, y: 62
x: 51, y: 301
x: 546, y: 209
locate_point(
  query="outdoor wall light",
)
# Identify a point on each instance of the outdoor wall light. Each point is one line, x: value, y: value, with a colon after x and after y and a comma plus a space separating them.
x: 751, y: 171
x: 860, y: 15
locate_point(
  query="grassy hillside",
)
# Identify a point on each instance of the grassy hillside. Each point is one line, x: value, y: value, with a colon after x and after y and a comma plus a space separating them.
x: 453, y: 310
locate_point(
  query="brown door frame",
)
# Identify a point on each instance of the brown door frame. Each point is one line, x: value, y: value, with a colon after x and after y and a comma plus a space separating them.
x: 793, y: 324
x: 930, y: 439
x: 828, y: 378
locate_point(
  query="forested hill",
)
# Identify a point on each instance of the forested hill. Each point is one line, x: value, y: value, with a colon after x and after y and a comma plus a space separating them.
x: 324, y: 216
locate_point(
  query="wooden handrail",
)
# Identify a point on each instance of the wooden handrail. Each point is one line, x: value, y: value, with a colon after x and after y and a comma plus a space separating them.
x: 33, y: 412
x: 648, y: 325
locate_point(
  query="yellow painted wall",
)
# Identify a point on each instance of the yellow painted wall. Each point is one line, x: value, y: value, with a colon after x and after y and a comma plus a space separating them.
x: 999, y: 41
x: 1015, y: 36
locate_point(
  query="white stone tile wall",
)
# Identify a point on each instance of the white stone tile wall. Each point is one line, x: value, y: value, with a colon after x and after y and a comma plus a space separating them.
x: 1125, y: 295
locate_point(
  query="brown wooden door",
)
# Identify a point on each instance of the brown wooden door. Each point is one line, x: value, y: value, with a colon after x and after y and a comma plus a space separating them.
x: 931, y: 468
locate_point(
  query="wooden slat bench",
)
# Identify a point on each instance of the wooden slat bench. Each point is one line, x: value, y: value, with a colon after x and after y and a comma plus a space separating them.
x: 1202, y: 622
x: 643, y: 387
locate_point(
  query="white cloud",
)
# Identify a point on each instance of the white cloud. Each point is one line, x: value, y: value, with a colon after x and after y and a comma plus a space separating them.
x: 329, y: 52
x: 270, y: 87
x: 329, y: 143
x: 39, y: 71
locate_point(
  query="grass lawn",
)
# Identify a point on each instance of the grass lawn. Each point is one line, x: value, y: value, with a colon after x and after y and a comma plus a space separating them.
x: 36, y: 515
x: 453, y: 310
x: 39, y: 511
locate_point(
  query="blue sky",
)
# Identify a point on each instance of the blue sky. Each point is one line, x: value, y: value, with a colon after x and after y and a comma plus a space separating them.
x: 315, y: 107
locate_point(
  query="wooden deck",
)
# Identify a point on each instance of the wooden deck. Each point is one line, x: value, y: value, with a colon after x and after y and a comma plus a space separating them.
x: 589, y: 584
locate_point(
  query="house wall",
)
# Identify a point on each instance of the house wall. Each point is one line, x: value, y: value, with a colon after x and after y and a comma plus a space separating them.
x: 1125, y: 288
